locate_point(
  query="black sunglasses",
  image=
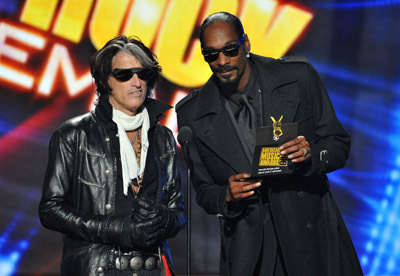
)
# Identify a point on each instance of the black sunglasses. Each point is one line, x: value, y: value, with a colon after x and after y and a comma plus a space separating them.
x: 126, y: 74
x: 232, y: 50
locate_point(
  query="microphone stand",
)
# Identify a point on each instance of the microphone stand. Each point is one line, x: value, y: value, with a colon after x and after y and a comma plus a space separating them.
x: 185, y: 136
x: 189, y: 208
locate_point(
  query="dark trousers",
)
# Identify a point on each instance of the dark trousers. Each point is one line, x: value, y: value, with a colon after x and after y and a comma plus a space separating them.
x: 270, y: 260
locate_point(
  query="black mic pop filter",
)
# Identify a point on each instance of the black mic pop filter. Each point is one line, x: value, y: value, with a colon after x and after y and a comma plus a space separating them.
x: 185, y: 135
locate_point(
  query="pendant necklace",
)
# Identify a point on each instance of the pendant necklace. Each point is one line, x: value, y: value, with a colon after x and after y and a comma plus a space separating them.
x: 137, y: 153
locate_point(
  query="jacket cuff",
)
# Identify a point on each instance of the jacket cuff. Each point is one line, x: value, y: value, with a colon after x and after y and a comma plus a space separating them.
x: 111, y: 229
x: 232, y: 209
x: 126, y: 237
x: 305, y: 168
x: 228, y: 209
x: 170, y: 225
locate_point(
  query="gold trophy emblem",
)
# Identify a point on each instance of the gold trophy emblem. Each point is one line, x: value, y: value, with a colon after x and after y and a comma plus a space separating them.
x: 277, y: 130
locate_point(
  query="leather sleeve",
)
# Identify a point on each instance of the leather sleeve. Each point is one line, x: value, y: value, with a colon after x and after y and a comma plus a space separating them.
x: 172, y: 189
x: 58, y: 208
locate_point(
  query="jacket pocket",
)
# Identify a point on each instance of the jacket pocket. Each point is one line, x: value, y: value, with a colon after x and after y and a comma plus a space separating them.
x: 94, y: 169
x: 90, y: 183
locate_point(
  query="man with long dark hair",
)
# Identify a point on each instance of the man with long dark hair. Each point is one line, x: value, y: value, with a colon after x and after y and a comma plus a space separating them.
x: 112, y: 185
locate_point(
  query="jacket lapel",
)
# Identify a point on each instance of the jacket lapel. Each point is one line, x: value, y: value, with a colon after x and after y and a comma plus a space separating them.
x: 216, y: 130
x: 274, y: 75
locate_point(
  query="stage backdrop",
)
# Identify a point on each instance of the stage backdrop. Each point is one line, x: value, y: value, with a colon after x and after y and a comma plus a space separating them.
x: 44, y: 79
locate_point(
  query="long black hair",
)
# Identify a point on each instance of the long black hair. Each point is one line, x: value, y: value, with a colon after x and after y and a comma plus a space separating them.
x: 101, y: 62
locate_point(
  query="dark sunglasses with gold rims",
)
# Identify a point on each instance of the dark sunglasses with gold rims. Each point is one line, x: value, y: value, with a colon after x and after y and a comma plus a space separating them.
x: 231, y: 50
x: 127, y: 73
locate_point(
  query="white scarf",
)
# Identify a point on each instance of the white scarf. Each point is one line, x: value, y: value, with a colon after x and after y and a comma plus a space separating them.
x: 130, y: 168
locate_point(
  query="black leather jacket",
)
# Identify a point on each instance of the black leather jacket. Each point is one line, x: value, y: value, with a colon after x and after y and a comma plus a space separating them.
x: 80, y: 188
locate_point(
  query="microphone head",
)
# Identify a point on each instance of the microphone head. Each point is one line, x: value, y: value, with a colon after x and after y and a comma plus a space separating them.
x: 185, y: 135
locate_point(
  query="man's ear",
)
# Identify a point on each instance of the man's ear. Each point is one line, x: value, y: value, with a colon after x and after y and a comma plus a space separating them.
x: 246, y: 43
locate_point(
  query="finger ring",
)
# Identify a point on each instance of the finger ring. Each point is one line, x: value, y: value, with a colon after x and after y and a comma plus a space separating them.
x: 304, y: 151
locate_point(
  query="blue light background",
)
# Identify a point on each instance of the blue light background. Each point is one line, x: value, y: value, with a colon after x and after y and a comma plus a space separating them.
x: 355, y: 48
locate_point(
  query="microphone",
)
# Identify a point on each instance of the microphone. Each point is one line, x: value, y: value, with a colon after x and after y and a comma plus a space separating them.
x: 185, y: 136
